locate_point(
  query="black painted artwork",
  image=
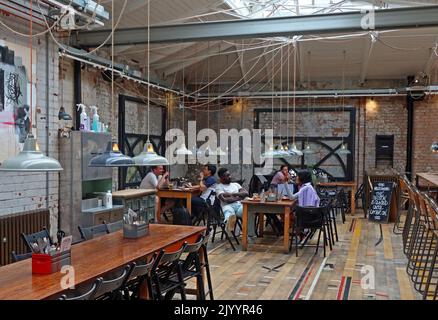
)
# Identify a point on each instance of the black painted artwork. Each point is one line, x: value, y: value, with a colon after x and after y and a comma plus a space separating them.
x: 381, y: 202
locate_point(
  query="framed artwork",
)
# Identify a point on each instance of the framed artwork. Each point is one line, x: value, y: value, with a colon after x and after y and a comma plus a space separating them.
x: 15, y: 105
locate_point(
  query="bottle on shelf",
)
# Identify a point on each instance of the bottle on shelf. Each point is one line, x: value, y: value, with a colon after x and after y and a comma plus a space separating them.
x: 96, y: 119
x: 84, y: 124
x: 108, y: 199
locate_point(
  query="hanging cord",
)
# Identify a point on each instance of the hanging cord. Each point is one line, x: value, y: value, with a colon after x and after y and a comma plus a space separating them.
x: 112, y: 65
x: 31, y: 65
x: 294, y: 87
x: 281, y: 101
x: 343, y: 88
x: 288, y: 90
x: 148, y: 54
x: 308, y: 89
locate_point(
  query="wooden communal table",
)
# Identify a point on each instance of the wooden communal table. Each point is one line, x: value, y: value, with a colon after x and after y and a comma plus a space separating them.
x: 344, y: 184
x: 182, y: 193
x: 91, y: 259
x: 282, y: 207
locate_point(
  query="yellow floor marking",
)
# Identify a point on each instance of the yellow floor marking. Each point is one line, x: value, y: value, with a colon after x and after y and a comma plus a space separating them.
x: 404, y: 285
x: 387, y: 243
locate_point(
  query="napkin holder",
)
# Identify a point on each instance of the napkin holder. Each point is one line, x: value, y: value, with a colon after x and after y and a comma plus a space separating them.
x: 134, y: 231
x: 45, y: 263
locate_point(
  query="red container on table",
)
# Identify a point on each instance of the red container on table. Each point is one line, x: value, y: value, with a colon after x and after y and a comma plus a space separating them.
x: 46, y: 264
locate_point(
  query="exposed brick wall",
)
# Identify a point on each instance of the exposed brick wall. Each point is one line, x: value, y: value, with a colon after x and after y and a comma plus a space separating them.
x: 425, y: 132
x: 28, y: 191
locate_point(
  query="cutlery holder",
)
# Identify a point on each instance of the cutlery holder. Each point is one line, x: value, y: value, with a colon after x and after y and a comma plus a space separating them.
x: 134, y: 231
x: 45, y: 263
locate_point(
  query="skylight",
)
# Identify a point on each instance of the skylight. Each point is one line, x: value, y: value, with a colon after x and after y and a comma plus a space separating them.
x: 277, y: 8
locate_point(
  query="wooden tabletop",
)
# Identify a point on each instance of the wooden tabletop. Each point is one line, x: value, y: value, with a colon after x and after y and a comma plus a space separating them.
x: 269, y: 203
x: 178, y: 190
x: 133, y: 193
x: 430, y: 177
x: 338, y: 184
x: 91, y: 259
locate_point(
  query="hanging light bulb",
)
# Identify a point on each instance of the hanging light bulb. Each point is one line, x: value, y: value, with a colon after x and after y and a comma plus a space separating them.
x: 112, y: 157
x: 31, y: 159
x: 149, y: 157
x: 307, y: 149
x: 434, y: 147
x: 182, y: 150
x: 343, y: 149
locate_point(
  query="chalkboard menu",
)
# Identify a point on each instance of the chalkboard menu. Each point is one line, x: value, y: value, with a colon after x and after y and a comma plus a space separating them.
x: 380, y: 202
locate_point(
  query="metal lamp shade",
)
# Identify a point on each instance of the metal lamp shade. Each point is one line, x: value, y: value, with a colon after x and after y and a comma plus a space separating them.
x: 434, y: 147
x: 31, y: 159
x: 149, y: 157
x: 294, y: 151
x: 343, y: 150
x: 182, y: 150
x: 112, y: 157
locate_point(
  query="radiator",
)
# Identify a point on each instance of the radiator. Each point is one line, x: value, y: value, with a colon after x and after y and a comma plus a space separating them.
x: 11, y: 227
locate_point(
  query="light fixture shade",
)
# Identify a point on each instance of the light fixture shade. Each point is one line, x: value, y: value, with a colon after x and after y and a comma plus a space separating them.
x: 182, y: 150
x: 31, y: 159
x: 343, y: 149
x: 434, y: 147
x: 276, y: 154
x: 112, y: 157
x: 308, y: 150
x: 220, y: 152
x: 294, y: 151
x: 149, y: 157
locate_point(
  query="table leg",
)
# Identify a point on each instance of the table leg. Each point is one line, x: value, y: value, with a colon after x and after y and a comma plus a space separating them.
x: 353, y: 200
x: 261, y: 224
x: 245, y: 227
x: 286, y: 229
x: 158, y: 211
x: 189, y: 203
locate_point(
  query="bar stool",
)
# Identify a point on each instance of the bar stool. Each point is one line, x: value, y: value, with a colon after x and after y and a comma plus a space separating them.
x: 404, y: 198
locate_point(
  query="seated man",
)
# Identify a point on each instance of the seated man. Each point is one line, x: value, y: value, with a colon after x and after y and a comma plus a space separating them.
x: 230, y: 194
x: 207, y: 183
x: 157, y: 179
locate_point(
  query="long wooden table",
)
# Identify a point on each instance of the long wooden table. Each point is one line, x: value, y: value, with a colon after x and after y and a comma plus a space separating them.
x: 257, y: 207
x: 91, y: 259
x: 183, y: 193
x: 345, y: 184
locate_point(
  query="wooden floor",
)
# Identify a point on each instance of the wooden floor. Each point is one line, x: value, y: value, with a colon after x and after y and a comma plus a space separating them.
x: 354, y: 259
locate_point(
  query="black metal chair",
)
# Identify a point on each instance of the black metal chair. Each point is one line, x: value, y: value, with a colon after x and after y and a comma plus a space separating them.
x: 111, y: 289
x: 166, y: 275
x: 309, y: 218
x: 30, y: 239
x: 114, y: 226
x: 88, y: 295
x: 18, y: 257
x: 191, y: 266
x: 216, y: 219
x: 138, y: 276
x: 88, y: 233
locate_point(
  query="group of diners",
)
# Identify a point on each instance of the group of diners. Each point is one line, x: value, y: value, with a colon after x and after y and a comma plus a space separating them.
x: 231, y: 193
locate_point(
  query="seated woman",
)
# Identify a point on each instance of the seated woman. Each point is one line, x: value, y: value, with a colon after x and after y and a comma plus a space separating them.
x: 306, y: 195
x: 282, y: 176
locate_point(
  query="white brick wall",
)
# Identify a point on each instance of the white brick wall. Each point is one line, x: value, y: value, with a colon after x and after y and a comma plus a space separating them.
x: 20, y: 191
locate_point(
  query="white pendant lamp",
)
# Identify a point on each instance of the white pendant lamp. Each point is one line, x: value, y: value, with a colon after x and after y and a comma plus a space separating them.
x: 182, y: 150
x: 343, y: 149
x: 149, y: 157
x: 307, y: 149
x: 30, y: 159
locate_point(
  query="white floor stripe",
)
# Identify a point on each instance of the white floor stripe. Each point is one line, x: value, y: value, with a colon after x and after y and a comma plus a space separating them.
x: 315, y: 280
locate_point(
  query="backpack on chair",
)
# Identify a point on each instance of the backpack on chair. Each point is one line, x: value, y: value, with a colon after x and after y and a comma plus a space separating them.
x: 181, y: 216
